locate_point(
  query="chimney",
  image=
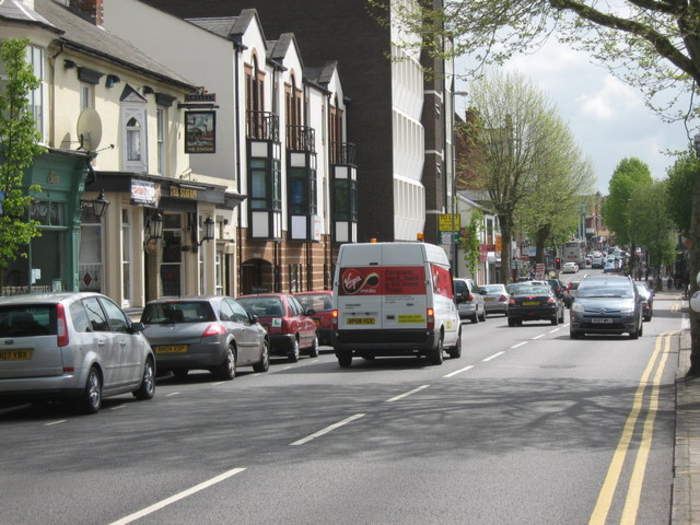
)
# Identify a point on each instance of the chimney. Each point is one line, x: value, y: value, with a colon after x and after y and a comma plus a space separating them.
x: 90, y: 10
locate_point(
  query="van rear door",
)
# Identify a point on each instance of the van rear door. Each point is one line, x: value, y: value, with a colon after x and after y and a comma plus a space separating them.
x: 359, y: 299
x: 405, y: 298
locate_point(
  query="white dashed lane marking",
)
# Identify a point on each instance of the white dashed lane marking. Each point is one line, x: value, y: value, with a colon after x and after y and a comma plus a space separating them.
x: 328, y: 429
x: 406, y: 394
x: 494, y: 356
x: 451, y: 374
x: 519, y: 345
x: 51, y: 423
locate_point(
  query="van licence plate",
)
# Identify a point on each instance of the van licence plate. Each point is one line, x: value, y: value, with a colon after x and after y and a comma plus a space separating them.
x: 21, y: 354
x: 171, y: 349
x: 360, y: 320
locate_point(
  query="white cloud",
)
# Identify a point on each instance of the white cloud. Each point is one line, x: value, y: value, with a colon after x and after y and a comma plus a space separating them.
x: 612, y: 99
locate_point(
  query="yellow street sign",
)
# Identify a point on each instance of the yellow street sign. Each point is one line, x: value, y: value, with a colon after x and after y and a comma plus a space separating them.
x: 450, y: 222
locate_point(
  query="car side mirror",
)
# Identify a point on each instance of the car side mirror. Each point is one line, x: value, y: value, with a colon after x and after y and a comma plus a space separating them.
x: 135, y: 328
x: 253, y: 318
x: 310, y: 311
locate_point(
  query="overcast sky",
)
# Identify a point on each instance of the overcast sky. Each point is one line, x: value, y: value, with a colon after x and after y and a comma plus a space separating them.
x: 607, y: 117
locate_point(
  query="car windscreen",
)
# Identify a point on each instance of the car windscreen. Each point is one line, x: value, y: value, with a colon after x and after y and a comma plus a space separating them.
x: 494, y: 288
x: 527, y: 289
x: 321, y: 302
x: 178, y: 312
x: 27, y: 320
x: 460, y: 287
x: 616, y: 290
x: 262, y: 306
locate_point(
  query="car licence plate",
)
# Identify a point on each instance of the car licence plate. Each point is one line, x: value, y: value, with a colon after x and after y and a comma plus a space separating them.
x: 489, y: 299
x: 21, y: 354
x: 361, y: 320
x: 531, y: 303
x: 171, y: 349
x: 602, y: 320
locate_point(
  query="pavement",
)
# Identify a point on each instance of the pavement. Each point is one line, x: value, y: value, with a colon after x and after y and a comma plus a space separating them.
x: 685, y: 507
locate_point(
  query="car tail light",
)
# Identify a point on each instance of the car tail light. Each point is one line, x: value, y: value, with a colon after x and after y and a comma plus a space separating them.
x: 470, y: 297
x: 214, y: 329
x: 286, y: 326
x: 512, y: 301
x: 551, y: 300
x: 430, y: 314
x: 62, y: 339
x: 334, y: 318
x: 501, y: 298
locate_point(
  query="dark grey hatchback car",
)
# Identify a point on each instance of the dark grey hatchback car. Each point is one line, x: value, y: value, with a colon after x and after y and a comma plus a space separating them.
x: 606, y: 304
x: 213, y: 333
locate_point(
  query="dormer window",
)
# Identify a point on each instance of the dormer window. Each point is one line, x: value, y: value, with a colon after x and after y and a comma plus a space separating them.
x: 133, y: 140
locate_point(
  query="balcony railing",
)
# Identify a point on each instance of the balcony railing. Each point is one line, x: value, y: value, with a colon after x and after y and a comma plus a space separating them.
x: 262, y: 125
x: 343, y: 153
x: 301, y: 138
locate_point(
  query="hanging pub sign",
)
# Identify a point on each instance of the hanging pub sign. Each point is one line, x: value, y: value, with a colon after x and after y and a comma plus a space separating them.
x: 200, y: 132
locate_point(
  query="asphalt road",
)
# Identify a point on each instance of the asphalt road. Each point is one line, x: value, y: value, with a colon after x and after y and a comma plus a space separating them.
x: 527, y: 426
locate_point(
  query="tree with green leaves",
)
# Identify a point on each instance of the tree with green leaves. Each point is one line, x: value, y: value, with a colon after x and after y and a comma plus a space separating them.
x: 630, y: 174
x: 653, y: 45
x: 470, y: 241
x: 682, y: 178
x: 18, y: 147
x: 648, y: 213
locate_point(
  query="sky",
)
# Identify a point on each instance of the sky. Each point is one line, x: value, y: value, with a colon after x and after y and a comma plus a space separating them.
x: 608, y: 118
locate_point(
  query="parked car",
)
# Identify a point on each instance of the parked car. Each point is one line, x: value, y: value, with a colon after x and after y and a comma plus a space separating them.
x: 647, y: 295
x: 530, y: 302
x: 322, y: 305
x: 607, y: 304
x: 557, y: 286
x: 76, y: 346
x: 495, y: 298
x: 470, y: 301
x: 212, y: 333
x: 289, y: 326
x: 570, y: 267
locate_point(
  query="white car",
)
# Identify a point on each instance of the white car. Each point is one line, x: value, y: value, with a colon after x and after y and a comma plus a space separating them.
x: 570, y: 267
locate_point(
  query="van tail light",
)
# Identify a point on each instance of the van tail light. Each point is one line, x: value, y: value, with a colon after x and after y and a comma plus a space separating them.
x: 502, y: 298
x: 551, y: 300
x: 62, y: 339
x: 334, y: 318
x: 430, y: 314
x: 214, y: 329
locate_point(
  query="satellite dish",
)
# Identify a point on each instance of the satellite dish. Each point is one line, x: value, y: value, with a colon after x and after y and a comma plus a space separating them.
x: 89, y: 129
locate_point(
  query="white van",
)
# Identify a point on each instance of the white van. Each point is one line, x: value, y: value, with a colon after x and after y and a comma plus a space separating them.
x: 394, y: 298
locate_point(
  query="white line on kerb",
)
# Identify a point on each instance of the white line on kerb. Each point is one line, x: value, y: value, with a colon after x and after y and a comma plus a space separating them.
x: 459, y: 371
x: 494, y: 356
x: 55, y: 422
x: 538, y: 337
x: 406, y: 394
x: 180, y: 495
x: 519, y: 345
x: 117, y: 407
x: 327, y: 429
x: 172, y: 394
x: 554, y: 331
x: 219, y: 383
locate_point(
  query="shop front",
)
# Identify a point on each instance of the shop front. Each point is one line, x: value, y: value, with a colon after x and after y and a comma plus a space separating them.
x: 51, y: 262
x: 162, y: 237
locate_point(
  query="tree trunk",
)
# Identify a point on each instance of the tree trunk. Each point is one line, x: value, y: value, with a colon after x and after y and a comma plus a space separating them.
x: 694, y: 268
x: 506, y: 236
x: 540, y: 241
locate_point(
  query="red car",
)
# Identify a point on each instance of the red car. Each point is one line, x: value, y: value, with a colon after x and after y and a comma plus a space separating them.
x: 289, y: 326
x: 321, y: 303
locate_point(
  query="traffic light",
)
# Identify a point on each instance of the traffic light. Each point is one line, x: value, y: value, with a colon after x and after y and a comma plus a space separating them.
x: 557, y: 263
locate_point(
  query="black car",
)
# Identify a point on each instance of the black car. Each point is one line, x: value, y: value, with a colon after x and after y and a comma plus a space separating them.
x: 607, y: 304
x: 648, y: 296
x: 557, y: 286
x: 532, y: 302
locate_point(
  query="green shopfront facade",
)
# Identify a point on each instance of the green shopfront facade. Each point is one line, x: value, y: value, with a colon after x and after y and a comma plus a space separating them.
x: 52, y: 262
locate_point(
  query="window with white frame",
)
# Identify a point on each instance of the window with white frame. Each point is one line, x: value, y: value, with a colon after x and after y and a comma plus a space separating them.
x: 133, y: 120
x: 35, y: 58
x: 87, y: 96
x: 133, y: 140
x: 161, y: 117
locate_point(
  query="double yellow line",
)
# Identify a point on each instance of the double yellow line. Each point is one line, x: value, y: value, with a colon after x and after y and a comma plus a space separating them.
x: 607, y: 491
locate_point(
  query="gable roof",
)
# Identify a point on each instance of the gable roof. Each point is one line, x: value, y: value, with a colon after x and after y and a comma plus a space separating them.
x: 321, y: 74
x: 16, y: 11
x: 277, y: 49
x: 88, y: 38
x: 229, y: 26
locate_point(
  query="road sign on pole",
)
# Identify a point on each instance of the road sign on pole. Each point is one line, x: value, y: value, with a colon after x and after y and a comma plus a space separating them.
x: 450, y: 222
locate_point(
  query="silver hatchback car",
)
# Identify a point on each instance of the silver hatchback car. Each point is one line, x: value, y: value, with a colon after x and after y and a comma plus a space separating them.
x: 77, y: 346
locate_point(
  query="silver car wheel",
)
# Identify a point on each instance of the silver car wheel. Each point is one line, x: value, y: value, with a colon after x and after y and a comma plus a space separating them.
x: 230, y: 362
x: 148, y: 380
x: 94, y: 390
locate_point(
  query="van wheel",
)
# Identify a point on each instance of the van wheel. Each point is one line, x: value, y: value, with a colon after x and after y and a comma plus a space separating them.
x: 293, y: 354
x: 475, y: 318
x: 91, y: 398
x: 456, y: 351
x: 344, y: 359
x: 314, y: 352
x: 436, y: 355
x: 147, y: 389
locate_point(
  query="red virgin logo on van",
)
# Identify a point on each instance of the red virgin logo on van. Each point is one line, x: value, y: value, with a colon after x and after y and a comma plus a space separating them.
x: 359, y: 281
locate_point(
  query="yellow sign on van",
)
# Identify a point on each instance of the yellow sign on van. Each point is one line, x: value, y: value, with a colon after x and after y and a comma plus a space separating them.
x: 411, y: 319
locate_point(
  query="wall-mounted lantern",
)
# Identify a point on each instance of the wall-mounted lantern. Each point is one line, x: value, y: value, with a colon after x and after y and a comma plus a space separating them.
x: 154, y: 227
x: 99, y: 205
x: 209, y: 226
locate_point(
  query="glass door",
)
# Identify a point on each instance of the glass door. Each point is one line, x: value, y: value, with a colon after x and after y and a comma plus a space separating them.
x: 171, y: 264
